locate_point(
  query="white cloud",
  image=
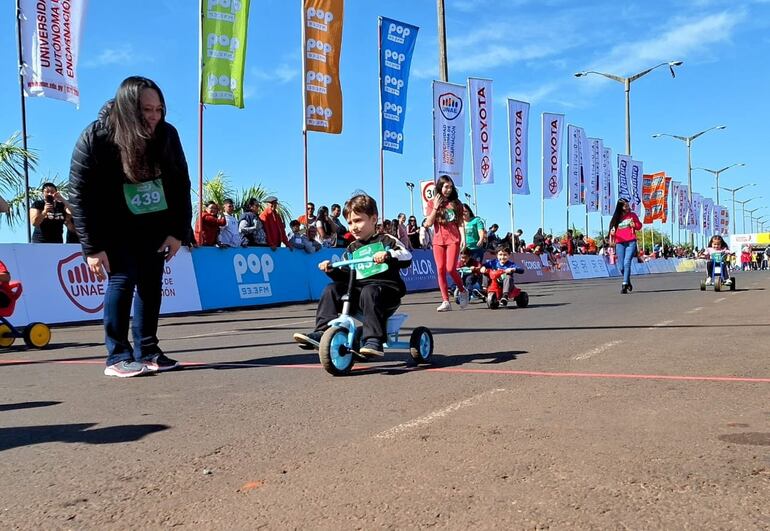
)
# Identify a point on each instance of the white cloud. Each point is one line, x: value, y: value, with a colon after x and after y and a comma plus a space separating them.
x: 257, y: 79
x: 112, y: 56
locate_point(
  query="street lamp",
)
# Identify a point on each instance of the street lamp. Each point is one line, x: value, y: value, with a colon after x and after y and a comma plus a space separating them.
x: 743, y: 210
x: 410, y: 186
x: 688, y: 142
x: 717, y: 172
x: 733, y: 190
x: 627, y: 86
x: 751, y: 218
x: 760, y: 218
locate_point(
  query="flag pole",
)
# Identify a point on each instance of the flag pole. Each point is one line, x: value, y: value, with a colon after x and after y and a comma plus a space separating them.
x: 200, y: 117
x: 19, y: 14
x: 304, y: 103
x: 542, y: 170
x: 382, y: 151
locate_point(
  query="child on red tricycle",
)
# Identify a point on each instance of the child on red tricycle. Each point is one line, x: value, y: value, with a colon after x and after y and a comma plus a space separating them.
x: 499, y: 280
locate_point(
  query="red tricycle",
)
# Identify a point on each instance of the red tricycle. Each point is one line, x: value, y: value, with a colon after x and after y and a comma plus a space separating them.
x: 501, y: 289
x: 36, y: 335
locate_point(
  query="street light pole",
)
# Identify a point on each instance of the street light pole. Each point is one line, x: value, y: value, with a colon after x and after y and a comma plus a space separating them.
x: 743, y: 211
x: 443, y: 69
x: 716, y: 174
x: 688, y: 141
x: 751, y: 219
x: 410, y: 186
x: 732, y: 191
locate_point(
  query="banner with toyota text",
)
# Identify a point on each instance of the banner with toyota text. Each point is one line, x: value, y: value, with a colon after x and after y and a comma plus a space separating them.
x: 322, y: 26
x: 448, y: 130
x: 608, y: 191
x: 480, y: 104
x: 596, y: 152
x: 223, y: 38
x: 552, y: 155
x: 397, y: 40
x: 518, y: 145
x: 51, y: 32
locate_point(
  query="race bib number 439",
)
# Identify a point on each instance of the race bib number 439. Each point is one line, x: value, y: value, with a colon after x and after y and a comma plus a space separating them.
x: 146, y: 197
x: 367, y: 270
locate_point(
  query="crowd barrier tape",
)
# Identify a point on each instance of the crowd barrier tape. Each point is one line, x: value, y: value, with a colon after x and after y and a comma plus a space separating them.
x: 59, y: 289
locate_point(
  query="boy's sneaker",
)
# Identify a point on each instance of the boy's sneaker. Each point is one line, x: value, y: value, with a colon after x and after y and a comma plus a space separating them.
x: 728, y: 282
x: 125, y: 369
x: 463, y: 299
x: 372, y: 348
x: 160, y: 362
x: 444, y: 307
x: 308, y: 341
x: 503, y: 302
x: 708, y: 281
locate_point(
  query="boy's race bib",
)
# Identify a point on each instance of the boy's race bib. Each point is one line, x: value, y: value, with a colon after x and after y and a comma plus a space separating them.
x: 367, y: 270
x: 146, y: 197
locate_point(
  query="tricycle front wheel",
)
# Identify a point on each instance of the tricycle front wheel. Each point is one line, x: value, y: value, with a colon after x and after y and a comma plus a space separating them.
x: 421, y: 345
x: 334, y: 351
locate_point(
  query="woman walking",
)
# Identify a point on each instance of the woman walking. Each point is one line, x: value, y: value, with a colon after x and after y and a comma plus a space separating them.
x: 445, y: 215
x: 623, y: 227
x: 475, y: 233
x: 130, y: 192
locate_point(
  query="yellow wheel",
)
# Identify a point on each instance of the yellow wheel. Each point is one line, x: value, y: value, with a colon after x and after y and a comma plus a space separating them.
x: 37, y: 335
x: 6, y: 337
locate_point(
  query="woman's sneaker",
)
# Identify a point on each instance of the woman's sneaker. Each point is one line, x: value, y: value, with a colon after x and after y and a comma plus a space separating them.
x: 125, y: 369
x: 160, y: 362
x: 444, y: 307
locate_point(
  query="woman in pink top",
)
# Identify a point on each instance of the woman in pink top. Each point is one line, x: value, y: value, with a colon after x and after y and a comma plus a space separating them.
x: 445, y: 214
x: 623, y: 227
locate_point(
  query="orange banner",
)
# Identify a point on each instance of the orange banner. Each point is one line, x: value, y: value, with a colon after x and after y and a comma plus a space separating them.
x: 322, y: 44
x: 654, y: 196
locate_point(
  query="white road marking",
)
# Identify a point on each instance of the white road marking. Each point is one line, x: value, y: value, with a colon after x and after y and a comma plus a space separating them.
x: 720, y: 300
x: 660, y: 324
x: 427, y: 419
x: 695, y: 310
x: 226, y: 332
x: 597, y: 350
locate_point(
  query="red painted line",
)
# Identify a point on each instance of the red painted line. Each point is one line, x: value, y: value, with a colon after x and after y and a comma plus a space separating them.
x: 457, y: 370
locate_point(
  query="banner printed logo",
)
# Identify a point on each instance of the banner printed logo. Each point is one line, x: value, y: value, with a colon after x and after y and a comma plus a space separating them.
x: 80, y: 284
x: 450, y: 105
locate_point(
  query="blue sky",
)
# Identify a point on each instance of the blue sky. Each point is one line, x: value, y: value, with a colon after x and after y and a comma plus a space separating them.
x: 530, y: 48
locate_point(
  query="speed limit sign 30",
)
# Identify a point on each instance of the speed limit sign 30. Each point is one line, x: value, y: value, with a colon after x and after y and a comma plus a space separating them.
x: 427, y: 191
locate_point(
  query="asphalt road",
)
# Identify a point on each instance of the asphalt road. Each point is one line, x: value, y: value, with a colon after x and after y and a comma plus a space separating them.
x: 587, y: 410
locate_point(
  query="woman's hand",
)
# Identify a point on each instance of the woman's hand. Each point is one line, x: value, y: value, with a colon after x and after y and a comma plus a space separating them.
x: 169, y: 247
x: 99, y: 265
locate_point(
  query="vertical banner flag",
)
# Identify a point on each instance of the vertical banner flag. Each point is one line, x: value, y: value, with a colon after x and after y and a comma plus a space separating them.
x: 624, y: 178
x: 693, y: 223
x: 674, y: 201
x: 552, y: 172
x: 636, y: 174
x: 448, y: 130
x: 480, y: 99
x: 666, y: 205
x: 224, y: 51
x: 708, y: 216
x: 596, y: 149
x: 724, y: 219
x: 608, y: 192
x: 654, y: 196
x: 683, y: 205
x: 322, y: 27
x: 397, y: 40
x: 518, y: 145
x: 50, y: 46
x: 575, y: 152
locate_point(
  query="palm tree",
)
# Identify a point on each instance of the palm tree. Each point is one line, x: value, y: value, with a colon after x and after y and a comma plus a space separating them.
x: 218, y: 189
x: 12, y: 157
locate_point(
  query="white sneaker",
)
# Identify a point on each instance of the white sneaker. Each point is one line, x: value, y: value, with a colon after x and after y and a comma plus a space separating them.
x: 463, y: 299
x: 444, y: 307
x: 728, y: 282
x: 708, y: 281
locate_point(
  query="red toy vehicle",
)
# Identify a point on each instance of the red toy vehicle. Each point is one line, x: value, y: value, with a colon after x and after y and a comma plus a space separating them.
x: 495, y: 296
x: 36, y: 335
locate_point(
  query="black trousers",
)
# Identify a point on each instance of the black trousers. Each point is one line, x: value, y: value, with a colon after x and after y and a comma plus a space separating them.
x: 376, y: 302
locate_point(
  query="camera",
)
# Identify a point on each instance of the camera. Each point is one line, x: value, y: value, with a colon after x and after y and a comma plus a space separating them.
x: 49, y: 199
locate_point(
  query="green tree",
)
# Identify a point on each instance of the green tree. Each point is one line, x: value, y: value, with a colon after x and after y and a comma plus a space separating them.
x: 12, y: 157
x: 219, y: 188
x: 651, y: 238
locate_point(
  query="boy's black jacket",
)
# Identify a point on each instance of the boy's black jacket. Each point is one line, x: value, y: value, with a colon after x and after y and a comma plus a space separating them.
x: 398, y: 258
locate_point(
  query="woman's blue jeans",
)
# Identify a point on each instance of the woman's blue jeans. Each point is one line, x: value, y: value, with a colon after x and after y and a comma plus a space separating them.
x: 140, y: 270
x: 625, y: 252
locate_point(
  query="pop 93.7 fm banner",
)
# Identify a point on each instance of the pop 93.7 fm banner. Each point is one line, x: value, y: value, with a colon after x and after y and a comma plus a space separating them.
x: 397, y: 40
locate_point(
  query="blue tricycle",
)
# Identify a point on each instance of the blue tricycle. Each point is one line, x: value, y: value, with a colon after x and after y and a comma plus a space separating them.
x: 719, y: 276
x: 338, y: 348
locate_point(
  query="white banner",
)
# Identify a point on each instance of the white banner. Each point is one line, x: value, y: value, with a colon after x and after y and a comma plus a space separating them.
x: 480, y: 94
x: 724, y: 221
x: 552, y: 163
x: 596, y: 150
x: 708, y: 216
x: 58, y: 287
x: 518, y: 145
x: 50, y: 45
x: 683, y: 204
x: 427, y: 191
x: 674, y: 202
x: 575, y: 150
x: 608, y: 191
x: 636, y: 173
x: 693, y: 221
x: 448, y: 130
x: 624, y: 178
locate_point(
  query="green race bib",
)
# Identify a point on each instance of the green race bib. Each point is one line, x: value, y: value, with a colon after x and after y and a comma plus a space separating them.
x: 369, y: 269
x: 146, y: 197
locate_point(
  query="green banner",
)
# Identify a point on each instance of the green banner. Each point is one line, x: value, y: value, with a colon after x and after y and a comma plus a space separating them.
x: 224, y: 25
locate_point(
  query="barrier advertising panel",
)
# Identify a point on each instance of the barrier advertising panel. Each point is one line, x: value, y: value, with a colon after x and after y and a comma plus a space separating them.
x: 588, y: 266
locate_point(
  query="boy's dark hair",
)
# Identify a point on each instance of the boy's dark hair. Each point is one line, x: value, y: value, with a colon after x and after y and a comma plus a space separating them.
x: 503, y: 248
x: 569, y: 231
x: 294, y: 223
x: 251, y: 202
x: 335, y: 205
x: 465, y: 252
x: 360, y: 204
x: 209, y: 203
x: 228, y: 201
x: 49, y: 185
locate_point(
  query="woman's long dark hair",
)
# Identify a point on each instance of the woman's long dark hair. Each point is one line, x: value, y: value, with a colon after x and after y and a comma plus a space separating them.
x: 467, y: 207
x: 129, y: 131
x: 452, y: 200
x: 323, y: 217
x: 618, y: 215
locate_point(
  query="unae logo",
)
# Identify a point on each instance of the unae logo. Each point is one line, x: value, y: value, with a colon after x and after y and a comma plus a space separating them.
x: 450, y: 105
x: 80, y: 284
x: 398, y: 33
x: 252, y: 274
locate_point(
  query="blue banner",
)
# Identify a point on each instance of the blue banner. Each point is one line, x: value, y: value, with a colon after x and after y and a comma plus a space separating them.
x: 396, y: 47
